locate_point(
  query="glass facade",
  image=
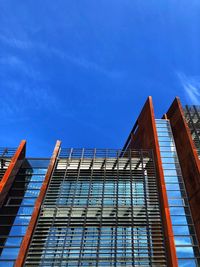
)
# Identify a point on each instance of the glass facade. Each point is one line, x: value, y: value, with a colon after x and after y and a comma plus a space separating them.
x: 101, y: 209
x: 185, y: 239
x: 17, y: 209
x: 192, y: 116
x: 5, y: 158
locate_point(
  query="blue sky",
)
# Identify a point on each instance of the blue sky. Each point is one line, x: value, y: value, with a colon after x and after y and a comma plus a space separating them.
x: 80, y: 71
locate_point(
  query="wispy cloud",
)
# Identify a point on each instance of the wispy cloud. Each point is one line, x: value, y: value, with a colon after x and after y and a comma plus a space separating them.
x: 191, y: 86
x: 15, y: 63
x: 49, y: 50
x: 24, y: 91
x: 19, y: 100
x: 14, y: 42
x: 28, y: 83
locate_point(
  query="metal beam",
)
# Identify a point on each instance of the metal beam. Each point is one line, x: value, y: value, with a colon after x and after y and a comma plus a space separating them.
x: 27, y: 238
x: 188, y: 157
x: 12, y: 170
x: 144, y: 136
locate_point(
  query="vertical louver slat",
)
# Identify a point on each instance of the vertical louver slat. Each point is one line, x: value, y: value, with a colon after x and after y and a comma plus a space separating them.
x: 101, y: 209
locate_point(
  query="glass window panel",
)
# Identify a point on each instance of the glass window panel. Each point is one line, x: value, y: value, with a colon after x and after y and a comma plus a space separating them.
x: 171, y: 160
x: 171, y: 179
x: 169, y: 144
x: 162, y: 134
x: 185, y: 252
x: 162, y: 139
x: 170, y: 166
x: 162, y: 123
x: 172, y: 186
x: 18, y: 230
x: 9, y: 253
x: 177, y: 211
x: 181, y: 230
x: 183, y: 240
x: 174, y: 194
x: 34, y: 185
x: 13, y: 241
x: 28, y: 201
x: 25, y: 211
x: 171, y: 172
x: 166, y: 154
x: 22, y: 220
x: 186, y: 263
x: 167, y: 149
x: 179, y: 220
x: 6, y: 263
x: 176, y: 202
x: 32, y: 193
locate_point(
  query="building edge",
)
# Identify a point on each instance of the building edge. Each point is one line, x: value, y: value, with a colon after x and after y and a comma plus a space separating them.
x: 188, y: 158
x: 144, y: 136
x: 29, y: 232
x: 13, y: 168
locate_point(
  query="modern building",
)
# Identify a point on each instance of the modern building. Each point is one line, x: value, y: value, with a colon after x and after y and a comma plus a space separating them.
x: 137, y: 206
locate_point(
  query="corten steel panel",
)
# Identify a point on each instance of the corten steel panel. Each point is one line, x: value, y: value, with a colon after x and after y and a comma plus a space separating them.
x: 188, y: 157
x: 27, y: 238
x: 144, y: 136
x: 12, y: 170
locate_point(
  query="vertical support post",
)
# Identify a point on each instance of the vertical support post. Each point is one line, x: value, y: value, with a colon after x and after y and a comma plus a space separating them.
x: 12, y: 170
x: 188, y: 157
x: 144, y: 136
x: 27, y: 238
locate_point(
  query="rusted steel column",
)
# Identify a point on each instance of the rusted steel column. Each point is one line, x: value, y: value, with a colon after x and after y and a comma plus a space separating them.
x: 144, y: 136
x: 12, y: 170
x: 27, y: 238
x: 188, y: 158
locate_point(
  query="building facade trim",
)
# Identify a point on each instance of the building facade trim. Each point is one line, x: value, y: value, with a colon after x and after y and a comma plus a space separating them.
x: 144, y: 135
x: 188, y: 157
x: 29, y: 233
x: 12, y: 170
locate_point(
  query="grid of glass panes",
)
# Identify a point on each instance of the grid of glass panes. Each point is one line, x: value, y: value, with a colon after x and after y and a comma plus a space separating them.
x: 105, y: 246
x: 4, y: 163
x: 111, y: 196
x: 192, y: 116
x: 5, y: 158
x: 7, y: 152
x: 100, y: 212
x: 183, y: 228
x: 17, y: 209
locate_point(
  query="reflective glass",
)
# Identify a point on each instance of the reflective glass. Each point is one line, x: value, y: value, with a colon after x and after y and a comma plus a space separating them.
x: 185, y: 252
x: 101, y: 214
x: 19, y: 207
x: 187, y: 263
x: 183, y: 240
x: 6, y: 263
x: 177, y: 199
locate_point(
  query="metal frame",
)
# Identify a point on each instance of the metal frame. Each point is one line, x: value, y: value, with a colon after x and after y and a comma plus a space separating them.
x: 172, y: 169
x: 11, y: 171
x: 192, y: 116
x: 144, y: 135
x: 71, y: 204
x: 34, y: 217
x: 188, y: 158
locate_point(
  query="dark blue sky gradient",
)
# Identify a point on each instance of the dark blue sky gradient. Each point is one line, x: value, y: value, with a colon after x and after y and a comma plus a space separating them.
x: 80, y: 71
